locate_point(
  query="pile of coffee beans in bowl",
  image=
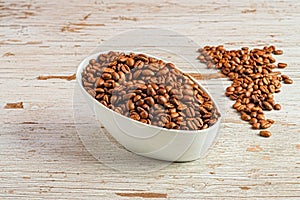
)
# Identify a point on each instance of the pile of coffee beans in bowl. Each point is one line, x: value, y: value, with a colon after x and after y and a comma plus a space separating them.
x: 149, y: 90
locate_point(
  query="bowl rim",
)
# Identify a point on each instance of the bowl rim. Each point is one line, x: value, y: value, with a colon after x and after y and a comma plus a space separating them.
x: 82, y: 66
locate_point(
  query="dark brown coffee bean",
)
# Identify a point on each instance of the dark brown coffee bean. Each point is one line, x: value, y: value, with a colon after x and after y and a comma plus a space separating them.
x: 267, y: 105
x: 140, y: 102
x: 277, y: 107
x: 161, y: 91
x: 151, y: 91
x: 281, y: 65
x: 149, y: 101
x: 278, y: 52
x: 288, y: 81
x: 125, y: 69
x: 162, y: 99
x: 115, y: 76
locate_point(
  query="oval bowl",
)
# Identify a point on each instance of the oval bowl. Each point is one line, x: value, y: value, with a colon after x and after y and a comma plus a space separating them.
x: 148, y: 140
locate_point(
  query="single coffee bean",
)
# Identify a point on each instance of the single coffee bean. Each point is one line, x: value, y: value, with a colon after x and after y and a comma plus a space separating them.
x: 288, y: 81
x: 149, y: 101
x: 151, y: 91
x: 256, y: 125
x: 253, y: 121
x: 265, y: 133
x: 130, y: 105
x: 282, y: 65
x: 130, y: 62
x: 260, y: 116
x: 245, y: 117
x: 278, y: 52
x: 108, y: 70
x: 267, y: 105
x: 277, y: 106
x: 162, y: 100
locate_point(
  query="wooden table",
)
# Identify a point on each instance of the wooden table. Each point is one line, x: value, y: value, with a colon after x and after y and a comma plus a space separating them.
x: 41, y: 154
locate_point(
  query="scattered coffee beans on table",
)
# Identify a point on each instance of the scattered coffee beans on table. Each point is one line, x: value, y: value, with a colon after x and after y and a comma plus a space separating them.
x: 149, y: 90
x: 253, y: 80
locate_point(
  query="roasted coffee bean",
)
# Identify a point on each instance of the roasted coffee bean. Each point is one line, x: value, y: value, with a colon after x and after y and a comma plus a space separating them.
x: 190, y: 112
x: 253, y: 121
x: 256, y: 125
x: 162, y: 99
x: 288, y: 81
x: 282, y: 65
x: 265, y: 133
x: 147, y: 72
x: 277, y: 106
x: 130, y: 62
x: 245, y: 117
x: 150, y: 101
x: 267, y: 105
x: 150, y: 91
x: 265, y: 124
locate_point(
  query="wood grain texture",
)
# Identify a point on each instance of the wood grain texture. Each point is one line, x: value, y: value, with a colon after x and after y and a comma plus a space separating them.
x: 41, y: 154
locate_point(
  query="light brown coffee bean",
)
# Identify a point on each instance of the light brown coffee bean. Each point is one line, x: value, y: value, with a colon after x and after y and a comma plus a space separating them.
x: 265, y: 133
x: 256, y: 126
x: 265, y: 124
x: 253, y: 121
x: 245, y: 117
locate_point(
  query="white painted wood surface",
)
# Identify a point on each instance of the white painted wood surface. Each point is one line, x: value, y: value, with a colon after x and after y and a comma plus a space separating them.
x: 41, y: 155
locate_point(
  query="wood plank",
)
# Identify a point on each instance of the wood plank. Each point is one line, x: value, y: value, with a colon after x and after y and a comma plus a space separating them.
x: 41, y: 154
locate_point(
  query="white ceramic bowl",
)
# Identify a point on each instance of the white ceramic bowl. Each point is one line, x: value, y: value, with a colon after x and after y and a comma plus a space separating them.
x: 148, y: 140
